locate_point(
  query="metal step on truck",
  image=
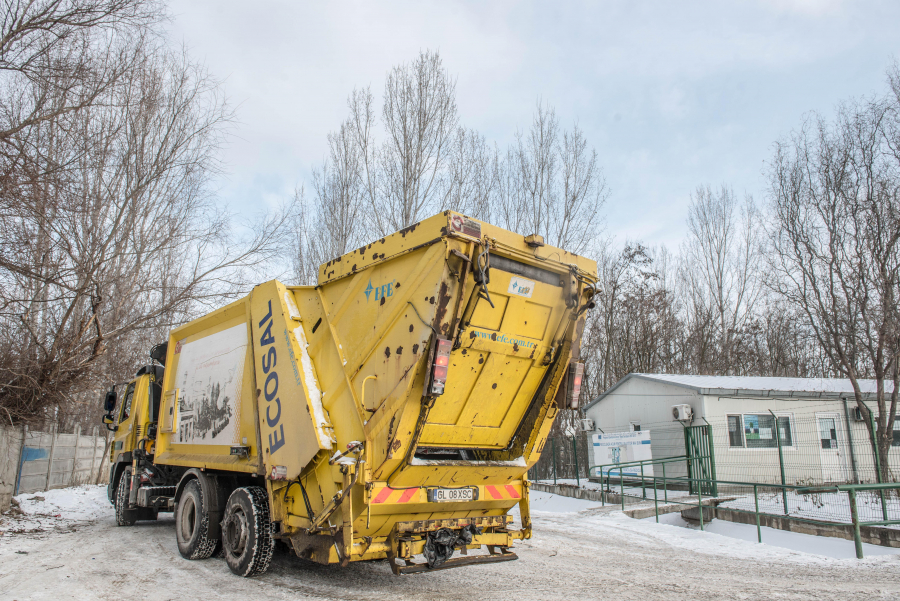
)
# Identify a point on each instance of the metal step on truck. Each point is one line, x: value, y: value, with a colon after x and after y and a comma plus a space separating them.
x: 390, y: 412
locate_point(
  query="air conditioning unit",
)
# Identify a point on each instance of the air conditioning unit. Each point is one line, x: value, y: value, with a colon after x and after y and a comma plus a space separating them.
x: 682, y: 413
x: 587, y: 425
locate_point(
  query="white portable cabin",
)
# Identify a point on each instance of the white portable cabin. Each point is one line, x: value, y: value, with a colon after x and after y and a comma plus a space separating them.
x: 823, y: 437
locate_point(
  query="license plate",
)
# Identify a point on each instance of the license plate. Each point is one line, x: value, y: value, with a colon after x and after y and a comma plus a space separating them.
x: 445, y: 495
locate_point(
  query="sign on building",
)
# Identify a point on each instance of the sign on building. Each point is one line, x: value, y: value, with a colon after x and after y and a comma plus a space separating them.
x: 617, y: 448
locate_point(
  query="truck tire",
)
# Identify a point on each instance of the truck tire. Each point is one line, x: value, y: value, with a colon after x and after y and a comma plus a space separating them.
x: 124, y: 516
x: 192, y: 524
x: 247, y: 532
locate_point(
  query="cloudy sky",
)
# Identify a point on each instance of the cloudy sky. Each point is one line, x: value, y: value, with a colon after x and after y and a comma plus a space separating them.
x: 671, y: 94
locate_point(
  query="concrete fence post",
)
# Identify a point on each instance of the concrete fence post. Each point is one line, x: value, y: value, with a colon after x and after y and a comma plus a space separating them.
x: 93, y: 454
x: 53, y: 434
x: 21, y: 462
x: 73, y: 478
x: 106, y: 443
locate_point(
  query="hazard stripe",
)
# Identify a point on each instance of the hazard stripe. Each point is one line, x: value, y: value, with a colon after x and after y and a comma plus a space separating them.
x: 408, y: 494
x: 495, y: 492
x: 382, y: 496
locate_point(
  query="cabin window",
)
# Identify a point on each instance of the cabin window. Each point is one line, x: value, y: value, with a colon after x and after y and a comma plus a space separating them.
x: 126, y: 403
x: 757, y: 431
x: 828, y: 432
x: 735, y: 431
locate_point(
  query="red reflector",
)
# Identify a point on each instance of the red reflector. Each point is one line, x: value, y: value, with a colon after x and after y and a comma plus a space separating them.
x: 439, y: 370
x: 576, y: 373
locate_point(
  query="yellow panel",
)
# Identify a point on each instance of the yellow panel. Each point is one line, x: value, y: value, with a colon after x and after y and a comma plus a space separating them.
x: 492, y: 399
x: 487, y: 317
x: 459, y: 389
x: 533, y: 321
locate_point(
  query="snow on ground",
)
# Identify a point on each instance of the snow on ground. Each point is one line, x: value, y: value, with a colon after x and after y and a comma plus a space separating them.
x: 836, y: 548
x: 578, y: 549
x: 59, y: 508
x: 829, y: 507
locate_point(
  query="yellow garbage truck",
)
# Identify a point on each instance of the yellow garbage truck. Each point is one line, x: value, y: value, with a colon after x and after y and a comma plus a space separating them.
x: 389, y: 412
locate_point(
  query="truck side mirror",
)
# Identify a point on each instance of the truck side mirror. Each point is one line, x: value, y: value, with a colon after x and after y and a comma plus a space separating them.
x: 108, y: 419
x: 109, y: 403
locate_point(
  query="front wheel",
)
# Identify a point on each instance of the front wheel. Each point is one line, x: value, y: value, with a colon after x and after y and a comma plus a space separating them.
x: 124, y: 516
x: 247, y: 532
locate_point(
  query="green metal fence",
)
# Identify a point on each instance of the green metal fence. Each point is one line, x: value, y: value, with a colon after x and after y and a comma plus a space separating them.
x: 700, y: 459
x: 866, y: 504
x: 563, y: 459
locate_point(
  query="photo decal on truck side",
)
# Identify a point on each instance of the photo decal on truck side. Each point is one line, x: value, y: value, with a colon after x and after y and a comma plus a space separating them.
x: 210, y: 372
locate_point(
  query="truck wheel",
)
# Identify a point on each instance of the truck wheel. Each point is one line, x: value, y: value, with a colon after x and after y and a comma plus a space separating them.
x: 247, y: 532
x: 124, y: 516
x: 192, y: 524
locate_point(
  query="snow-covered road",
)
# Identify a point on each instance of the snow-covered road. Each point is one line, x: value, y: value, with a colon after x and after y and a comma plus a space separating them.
x: 579, y: 550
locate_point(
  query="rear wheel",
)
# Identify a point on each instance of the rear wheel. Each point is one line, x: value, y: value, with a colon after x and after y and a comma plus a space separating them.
x: 247, y: 532
x: 124, y: 516
x: 192, y: 523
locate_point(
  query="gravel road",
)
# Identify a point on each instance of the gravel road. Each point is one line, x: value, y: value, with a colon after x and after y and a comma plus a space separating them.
x: 592, y: 554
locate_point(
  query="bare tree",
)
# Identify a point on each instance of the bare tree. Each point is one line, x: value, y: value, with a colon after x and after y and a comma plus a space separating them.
x: 635, y: 327
x: 58, y: 56
x: 835, y: 233
x: 576, y: 219
x: 536, y: 165
x: 419, y: 117
x: 333, y: 224
x: 720, y: 266
x: 549, y: 182
x: 108, y: 235
x: 471, y: 179
x: 303, y: 255
x: 552, y: 186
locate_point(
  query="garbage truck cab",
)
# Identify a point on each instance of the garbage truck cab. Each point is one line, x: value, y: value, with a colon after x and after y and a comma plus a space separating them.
x: 389, y: 412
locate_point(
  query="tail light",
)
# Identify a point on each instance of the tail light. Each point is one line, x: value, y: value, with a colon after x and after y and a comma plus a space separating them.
x: 441, y: 362
x: 576, y: 373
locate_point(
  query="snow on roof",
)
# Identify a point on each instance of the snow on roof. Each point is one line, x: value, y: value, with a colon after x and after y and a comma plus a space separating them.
x: 756, y: 385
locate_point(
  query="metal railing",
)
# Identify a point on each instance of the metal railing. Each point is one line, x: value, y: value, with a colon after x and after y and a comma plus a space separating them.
x: 783, y: 501
x: 853, y: 492
x: 617, y: 469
